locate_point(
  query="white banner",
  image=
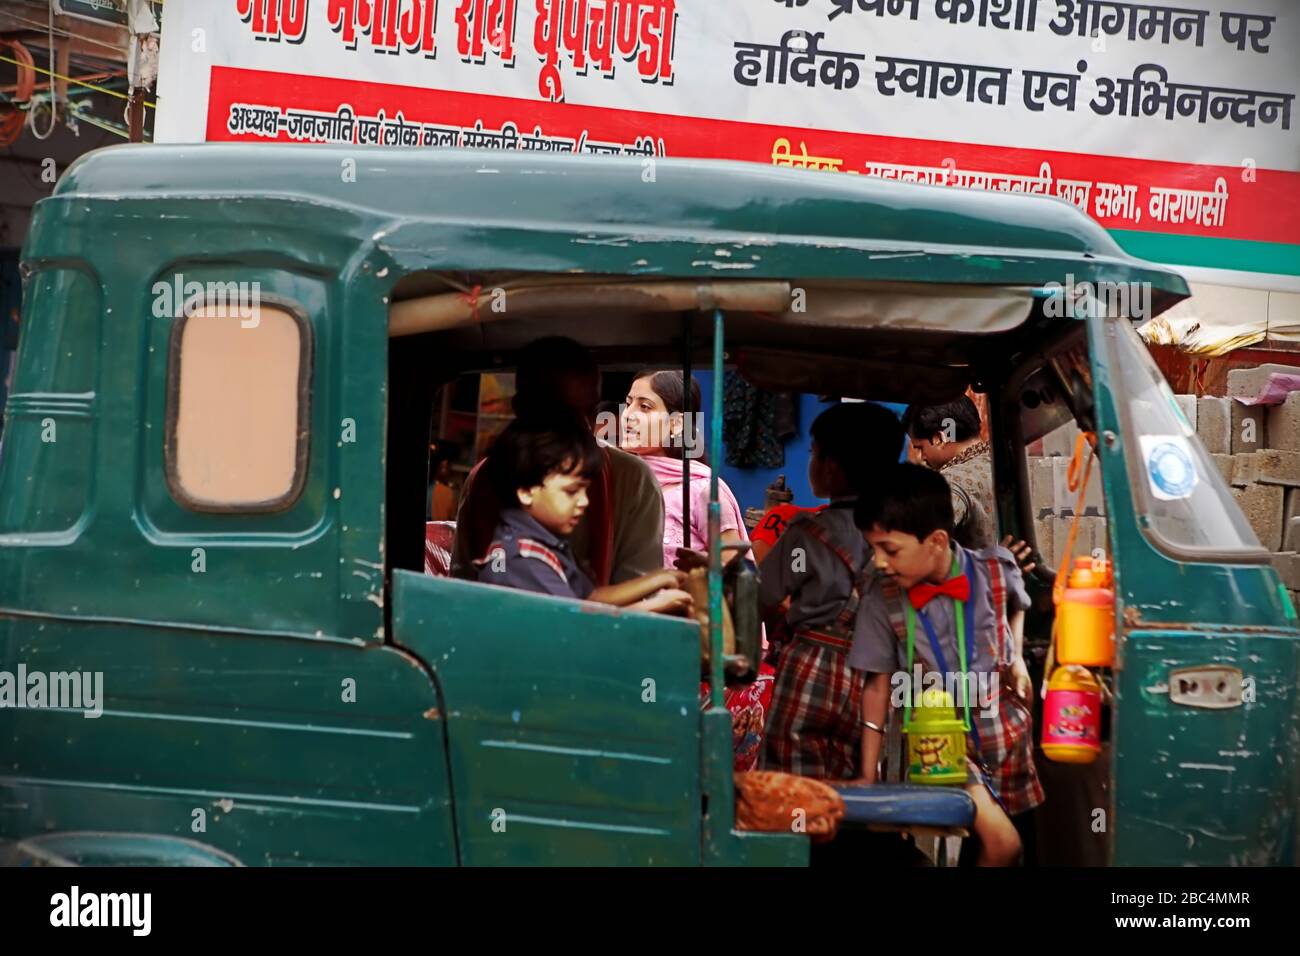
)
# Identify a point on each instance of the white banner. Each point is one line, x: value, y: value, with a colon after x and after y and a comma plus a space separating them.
x: 1173, y: 120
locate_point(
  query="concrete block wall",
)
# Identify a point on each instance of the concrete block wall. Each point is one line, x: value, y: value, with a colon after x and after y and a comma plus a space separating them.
x: 1054, y: 504
x: 1255, y: 447
x: 1263, y: 464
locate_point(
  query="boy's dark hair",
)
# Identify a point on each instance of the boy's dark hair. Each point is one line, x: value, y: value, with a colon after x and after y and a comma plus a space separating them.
x: 924, y: 421
x: 861, y: 437
x: 908, y: 498
x: 535, y: 446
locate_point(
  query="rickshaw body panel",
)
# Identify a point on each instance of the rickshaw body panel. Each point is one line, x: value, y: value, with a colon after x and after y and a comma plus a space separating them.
x: 1194, y: 786
x: 225, y: 688
x: 243, y: 742
x: 551, y: 762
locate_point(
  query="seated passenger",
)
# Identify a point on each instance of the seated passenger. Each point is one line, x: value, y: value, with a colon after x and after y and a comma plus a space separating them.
x: 818, y: 567
x: 442, y: 499
x: 656, y: 429
x: 541, y: 469
x: 620, y: 536
x: 947, y: 438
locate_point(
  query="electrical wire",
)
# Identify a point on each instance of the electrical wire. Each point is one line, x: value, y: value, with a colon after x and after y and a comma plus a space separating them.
x: 75, y: 110
x: 54, y: 103
x: 12, y: 120
x: 72, y: 79
x: 26, y: 70
x: 106, y: 75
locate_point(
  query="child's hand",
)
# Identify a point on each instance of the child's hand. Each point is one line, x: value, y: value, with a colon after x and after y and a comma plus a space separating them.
x: 689, y: 558
x: 667, y: 601
x: 1021, y: 683
x: 670, y: 578
x: 1022, y: 552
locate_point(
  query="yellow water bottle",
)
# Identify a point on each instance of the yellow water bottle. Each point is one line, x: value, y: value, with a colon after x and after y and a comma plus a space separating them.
x: 936, y: 741
x: 1085, y: 618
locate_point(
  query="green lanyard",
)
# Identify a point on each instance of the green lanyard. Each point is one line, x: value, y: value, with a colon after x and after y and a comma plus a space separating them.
x: 960, y: 615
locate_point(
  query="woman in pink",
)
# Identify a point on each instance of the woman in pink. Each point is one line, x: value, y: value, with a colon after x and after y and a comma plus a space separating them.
x: 656, y: 427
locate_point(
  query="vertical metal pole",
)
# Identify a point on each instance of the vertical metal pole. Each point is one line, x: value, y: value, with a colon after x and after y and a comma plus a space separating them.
x: 688, y: 346
x: 715, y: 521
x: 135, y: 88
x: 135, y: 115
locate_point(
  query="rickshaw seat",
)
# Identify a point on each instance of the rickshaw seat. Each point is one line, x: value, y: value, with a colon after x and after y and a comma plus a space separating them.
x: 439, y: 538
x: 901, y: 806
x: 893, y: 804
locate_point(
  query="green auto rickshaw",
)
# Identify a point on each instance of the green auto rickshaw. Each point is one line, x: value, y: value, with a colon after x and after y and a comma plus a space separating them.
x: 283, y: 684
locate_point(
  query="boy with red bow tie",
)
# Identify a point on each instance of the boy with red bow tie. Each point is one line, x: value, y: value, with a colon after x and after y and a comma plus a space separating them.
x: 956, y: 613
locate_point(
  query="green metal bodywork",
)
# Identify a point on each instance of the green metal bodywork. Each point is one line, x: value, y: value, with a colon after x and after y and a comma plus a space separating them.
x: 1170, y: 762
x: 484, y: 726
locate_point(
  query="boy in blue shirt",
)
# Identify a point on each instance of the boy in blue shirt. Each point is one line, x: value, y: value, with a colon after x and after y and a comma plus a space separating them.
x: 542, y: 467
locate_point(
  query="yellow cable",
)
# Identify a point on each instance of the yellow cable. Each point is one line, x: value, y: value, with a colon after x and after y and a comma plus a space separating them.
x: 60, y: 76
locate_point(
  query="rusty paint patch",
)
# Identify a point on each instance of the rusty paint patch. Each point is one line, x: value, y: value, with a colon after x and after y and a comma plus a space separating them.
x: 1208, y: 630
x: 433, y: 713
x: 1132, y: 616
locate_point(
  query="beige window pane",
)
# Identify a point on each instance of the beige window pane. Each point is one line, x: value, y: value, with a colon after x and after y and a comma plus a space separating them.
x: 236, y: 437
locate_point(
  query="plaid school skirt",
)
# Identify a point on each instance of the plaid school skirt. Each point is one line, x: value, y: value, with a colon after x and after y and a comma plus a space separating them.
x: 812, y: 727
x: 1006, y: 753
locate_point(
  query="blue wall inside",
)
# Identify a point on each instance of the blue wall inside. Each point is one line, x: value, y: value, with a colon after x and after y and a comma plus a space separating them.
x: 749, y: 485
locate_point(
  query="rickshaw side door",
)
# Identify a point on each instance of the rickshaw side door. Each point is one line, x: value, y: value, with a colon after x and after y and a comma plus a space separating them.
x: 573, y: 728
x: 1205, y: 711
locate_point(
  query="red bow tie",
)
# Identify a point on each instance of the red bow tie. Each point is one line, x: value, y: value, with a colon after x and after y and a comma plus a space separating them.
x: 957, y: 588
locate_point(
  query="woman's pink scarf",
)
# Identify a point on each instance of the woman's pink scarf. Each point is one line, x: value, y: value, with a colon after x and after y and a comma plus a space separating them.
x: 668, y: 472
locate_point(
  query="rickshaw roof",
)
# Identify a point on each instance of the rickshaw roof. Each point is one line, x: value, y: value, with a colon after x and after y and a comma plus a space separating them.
x: 460, y: 209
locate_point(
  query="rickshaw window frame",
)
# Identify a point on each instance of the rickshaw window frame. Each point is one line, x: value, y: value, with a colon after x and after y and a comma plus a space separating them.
x: 1009, y: 398
x: 1136, y: 477
x: 302, y: 451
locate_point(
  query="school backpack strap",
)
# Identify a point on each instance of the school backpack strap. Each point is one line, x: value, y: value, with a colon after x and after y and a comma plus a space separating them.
x: 491, y: 552
x: 844, y: 620
x: 998, y: 585
x: 894, y: 598
x: 528, y: 548
x: 817, y: 532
